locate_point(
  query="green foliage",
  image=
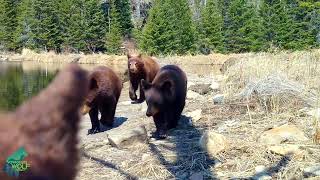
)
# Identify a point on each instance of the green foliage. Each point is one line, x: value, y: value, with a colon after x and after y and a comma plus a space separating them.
x: 95, y: 26
x: 123, y: 13
x: 169, y: 28
x: 23, y: 30
x: 219, y: 25
x: 212, y: 26
x: 8, y: 23
x: 114, y: 36
x: 244, y: 30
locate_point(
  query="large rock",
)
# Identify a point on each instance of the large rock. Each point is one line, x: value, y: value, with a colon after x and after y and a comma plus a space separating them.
x: 218, y: 99
x: 312, y: 171
x: 215, y: 86
x: 213, y: 143
x: 190, y: 84
x: 192, y: 95
x: 202, y: 89
x: 314, y: 113
x: 197, y: 176
x: 126, y: 137
x: 286, y: 149
x: 195, y: 115
x: 282, y: 134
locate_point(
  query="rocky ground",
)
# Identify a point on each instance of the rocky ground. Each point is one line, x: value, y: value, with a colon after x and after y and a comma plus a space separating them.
x: 215, y: 139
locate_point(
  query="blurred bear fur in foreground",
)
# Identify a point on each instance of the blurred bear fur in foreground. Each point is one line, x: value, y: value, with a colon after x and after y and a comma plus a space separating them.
x: 46, y: 126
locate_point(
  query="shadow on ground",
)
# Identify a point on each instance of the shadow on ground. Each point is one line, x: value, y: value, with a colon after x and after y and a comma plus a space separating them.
x: 109, y: 165
x: 190, y: 158
x: 118, y: 121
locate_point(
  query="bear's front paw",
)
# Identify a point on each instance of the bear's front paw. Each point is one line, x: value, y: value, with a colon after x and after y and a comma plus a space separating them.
x: 158, y: 135
x: 132, y: 96
x: 93, y: 131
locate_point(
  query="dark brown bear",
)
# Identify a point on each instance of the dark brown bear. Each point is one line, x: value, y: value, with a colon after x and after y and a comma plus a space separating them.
x: 165, y: 98
x: 46, y: 127
x: 140, y: 67
x: 104, y: 92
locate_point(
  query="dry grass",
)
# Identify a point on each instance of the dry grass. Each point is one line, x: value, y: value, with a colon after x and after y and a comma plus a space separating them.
x: 274, y: 75
x: 241, y: 121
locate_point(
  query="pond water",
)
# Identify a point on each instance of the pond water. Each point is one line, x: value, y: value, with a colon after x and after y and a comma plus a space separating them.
x: 21, y: 81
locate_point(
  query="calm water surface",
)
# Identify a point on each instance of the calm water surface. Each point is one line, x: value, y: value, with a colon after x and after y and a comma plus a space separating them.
x: 20, y: 81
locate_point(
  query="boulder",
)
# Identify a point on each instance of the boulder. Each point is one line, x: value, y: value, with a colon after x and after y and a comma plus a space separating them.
x: 286, y: 149
x: 218, y: 99
x: 215, y: 86
x: 195, y: 115
x: 213, y: 143
x: 126, y: 137
x: 190, y: 84
x: 312, y: 171
x: 192, y: 95
x: 314, y: 113
x: 197, y: 176
x: 202, y: 89
x: 282, y: 134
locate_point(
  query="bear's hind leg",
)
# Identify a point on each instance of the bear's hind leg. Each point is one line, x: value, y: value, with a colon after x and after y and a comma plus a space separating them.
x: 142, y: 96
x: 93, y: 113
x: 132, y: 91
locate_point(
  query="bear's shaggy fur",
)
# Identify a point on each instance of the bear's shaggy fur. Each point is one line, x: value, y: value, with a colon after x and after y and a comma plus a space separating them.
x: 46, y: 126
x: 140, y: 67
x: 166, y: 97
x: 104, y: 92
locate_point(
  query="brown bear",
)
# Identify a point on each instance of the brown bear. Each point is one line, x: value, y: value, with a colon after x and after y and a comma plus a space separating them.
x: 140, y: 67
x: 104, y: 92
x: 165, y: 98
x: 46, y: 126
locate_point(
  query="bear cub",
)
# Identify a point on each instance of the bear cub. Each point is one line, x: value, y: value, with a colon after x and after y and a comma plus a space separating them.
x: 104, y: 92
x: 165, y: 98
x: 140, y: 67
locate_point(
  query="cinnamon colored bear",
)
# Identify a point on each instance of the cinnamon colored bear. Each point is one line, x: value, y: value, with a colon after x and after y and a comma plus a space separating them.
x: 46, y: 128
x: 104, y: 92
x: 140, y: 67
x: 165, y: 98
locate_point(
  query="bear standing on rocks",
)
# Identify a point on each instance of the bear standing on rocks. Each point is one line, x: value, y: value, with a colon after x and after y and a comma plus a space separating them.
x: 165, y: 98
x: 46, y: 128
x: 104, y: 92
x: 140, y: 67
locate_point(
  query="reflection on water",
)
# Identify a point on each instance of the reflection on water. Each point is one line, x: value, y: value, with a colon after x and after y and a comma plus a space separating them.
x: 17, y: 85
x: 20, y: 81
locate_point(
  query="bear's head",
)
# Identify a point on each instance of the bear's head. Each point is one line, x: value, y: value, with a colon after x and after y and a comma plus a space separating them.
x: 135, y: 63
x: 158, y: 95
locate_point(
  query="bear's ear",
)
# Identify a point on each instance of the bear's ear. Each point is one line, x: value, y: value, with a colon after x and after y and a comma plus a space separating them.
x: 145, y: 85
x: 129, y: 55
x: 167, y: 89
x: 139, y: 55
x: 93, y: 84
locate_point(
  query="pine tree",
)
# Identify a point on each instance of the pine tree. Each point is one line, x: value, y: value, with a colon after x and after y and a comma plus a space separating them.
x: 212, y: 24
x: 23, y: 30
x: 304, y: 35
x: 8, y: 23
x: 46, y: 27
x: 244, y: 30
x: 95, y: 26
x: 279, y: 23
x: 114, y: 36
x: 123, y: 13
x: 169, y: 28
